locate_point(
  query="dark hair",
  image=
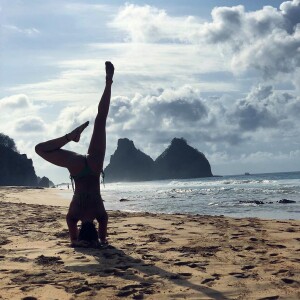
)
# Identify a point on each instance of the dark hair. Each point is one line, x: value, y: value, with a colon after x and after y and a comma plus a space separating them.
x: 88, y: 232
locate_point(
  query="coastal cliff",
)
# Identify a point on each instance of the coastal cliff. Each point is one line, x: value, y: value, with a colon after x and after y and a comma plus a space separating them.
x: 15, y: 168
x: 129, y: 164
x: 181, y: 161
x: 178, y: 161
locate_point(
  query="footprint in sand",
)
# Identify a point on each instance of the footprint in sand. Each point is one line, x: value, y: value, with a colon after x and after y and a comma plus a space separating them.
x: 20, y: 259
x: 280, y: 271
x: 185, y: 274
x: 48, y: 260
x: 207, y: 280
x: 150, y: 257
x: 82, y: 289
x: 289, y: 280
x: 248, y: 267
x: 137, y: 289
x: 4, y: 241
x: 269, y: 298
x: 290, y: 229
x: 277, y: 246
x: 239, y: 275
x: 62, y: 234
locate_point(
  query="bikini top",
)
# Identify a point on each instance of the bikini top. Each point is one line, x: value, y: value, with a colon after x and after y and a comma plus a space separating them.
x: 86, y: 171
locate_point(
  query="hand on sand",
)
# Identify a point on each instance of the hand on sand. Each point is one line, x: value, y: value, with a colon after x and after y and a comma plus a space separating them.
x: 75, y: 134
x: 110, y: 69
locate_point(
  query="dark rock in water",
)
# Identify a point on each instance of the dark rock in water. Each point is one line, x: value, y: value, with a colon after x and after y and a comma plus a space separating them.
x: 258, y: 202
x: 129, y: 164
x: 15, y: 168
x: 181, y: 161
x: 285, y: 201
x: 124, y: 200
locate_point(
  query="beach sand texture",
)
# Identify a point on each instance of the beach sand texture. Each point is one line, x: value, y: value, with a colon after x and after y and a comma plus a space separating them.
x: 151, y: 256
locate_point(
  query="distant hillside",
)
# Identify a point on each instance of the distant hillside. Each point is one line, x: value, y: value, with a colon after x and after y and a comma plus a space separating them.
x: 178, y: 161
x: 15, y: 168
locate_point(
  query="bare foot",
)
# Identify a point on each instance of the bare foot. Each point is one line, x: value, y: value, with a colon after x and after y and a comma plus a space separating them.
x: 109, y: 68
x: 75, y: 134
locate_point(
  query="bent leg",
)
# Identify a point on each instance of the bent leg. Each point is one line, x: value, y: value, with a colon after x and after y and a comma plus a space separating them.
x: 52, y: 152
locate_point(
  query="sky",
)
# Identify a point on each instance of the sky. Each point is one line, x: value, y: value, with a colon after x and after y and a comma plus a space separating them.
x: 224, y: 75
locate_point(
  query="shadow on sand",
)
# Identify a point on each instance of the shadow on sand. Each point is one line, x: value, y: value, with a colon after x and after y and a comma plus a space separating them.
x: 115, y: 262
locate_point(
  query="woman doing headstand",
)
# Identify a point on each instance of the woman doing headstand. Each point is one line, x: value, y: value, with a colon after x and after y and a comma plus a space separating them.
x: 87, y: 204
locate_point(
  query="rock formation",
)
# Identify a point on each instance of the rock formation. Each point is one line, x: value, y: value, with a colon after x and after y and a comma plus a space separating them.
x: 15, y: 168
x: 129, y: 164
x: 45, y: 182
x: 181, y: 161
x: 178, y: 161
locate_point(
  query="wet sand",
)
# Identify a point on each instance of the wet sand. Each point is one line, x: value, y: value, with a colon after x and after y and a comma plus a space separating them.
x: 150, y: 256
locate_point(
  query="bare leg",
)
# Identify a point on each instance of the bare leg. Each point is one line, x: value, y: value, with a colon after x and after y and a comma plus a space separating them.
x: 97, y: 146
x: 102, y: 219
x: 102, y: 231
x: 73, y: 230
x: 52, y: 152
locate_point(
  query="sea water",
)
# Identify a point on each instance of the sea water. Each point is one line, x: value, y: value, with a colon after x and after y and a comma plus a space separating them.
x: 227, y: 195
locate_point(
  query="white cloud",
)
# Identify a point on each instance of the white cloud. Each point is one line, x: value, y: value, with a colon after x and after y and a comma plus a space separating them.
x: 149, y: 24
x: 265, y: 108
x: 84, y: 7
x: 30, y: 32
x: 139, y: 67
x: 13, y: 102
x: 267, y: 39
x: 14, y: 108
x: 29, y: 124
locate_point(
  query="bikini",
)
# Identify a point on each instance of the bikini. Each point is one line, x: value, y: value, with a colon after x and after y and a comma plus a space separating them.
x: 84, y: 200
x: 86, y: 171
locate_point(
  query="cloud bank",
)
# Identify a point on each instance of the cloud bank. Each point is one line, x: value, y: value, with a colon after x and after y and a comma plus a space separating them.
x: 266, y: 40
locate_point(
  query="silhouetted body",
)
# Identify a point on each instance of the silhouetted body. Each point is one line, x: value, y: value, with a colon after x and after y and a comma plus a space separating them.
x: 87, y: 204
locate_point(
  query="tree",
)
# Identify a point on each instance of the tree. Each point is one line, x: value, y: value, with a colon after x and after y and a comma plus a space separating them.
x: 8, y: 142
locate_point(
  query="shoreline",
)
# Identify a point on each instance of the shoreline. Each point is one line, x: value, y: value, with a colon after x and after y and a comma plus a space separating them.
x: 57, y: 197
x: 151, y: 256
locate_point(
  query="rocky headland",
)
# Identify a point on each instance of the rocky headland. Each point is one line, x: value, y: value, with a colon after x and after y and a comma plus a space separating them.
x: 178, y: 161
x: 15, y: 168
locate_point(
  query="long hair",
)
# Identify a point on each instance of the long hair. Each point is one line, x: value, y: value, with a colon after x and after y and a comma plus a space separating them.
x: 88, y: 232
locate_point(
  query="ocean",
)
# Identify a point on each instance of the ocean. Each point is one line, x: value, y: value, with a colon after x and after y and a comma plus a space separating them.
x: 227, y: 195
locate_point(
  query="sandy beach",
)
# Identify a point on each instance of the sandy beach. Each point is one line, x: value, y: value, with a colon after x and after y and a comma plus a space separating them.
x: 150, y: 256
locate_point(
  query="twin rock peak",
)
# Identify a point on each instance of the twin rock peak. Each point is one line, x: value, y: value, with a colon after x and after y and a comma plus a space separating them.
x: 178, y: 161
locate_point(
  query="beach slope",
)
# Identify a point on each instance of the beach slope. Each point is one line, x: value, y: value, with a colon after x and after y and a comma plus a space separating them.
x: 151, y: 256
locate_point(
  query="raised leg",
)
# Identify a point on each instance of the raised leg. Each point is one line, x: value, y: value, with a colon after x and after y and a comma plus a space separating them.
x: 97, y: 146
